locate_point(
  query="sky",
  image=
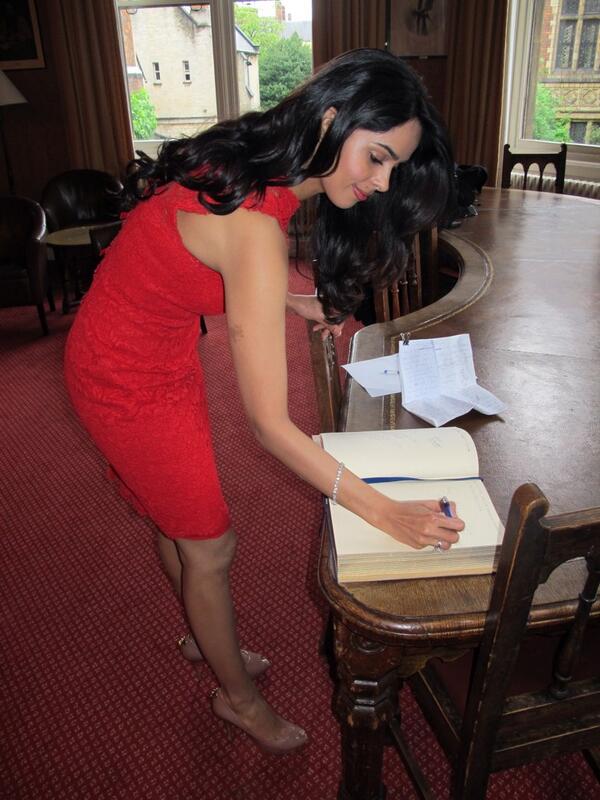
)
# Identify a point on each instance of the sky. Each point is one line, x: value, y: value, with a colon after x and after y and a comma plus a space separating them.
x: 300, y: 10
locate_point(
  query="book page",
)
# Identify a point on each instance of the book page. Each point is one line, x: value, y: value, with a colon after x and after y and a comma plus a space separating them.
x: 420, y: 453
x: 483, y: 528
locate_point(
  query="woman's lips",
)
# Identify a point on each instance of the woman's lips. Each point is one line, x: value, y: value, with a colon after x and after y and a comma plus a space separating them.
x: 358, y: 194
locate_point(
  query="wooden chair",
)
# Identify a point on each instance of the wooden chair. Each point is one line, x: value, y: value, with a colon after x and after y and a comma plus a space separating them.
x: 420, y: 284
x: 542, y: 160
x: 300, y: 229
x: 519, y: 698
x: 326, y: 376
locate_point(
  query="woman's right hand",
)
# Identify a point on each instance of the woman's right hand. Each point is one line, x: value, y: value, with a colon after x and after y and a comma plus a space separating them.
x: 420, y: 523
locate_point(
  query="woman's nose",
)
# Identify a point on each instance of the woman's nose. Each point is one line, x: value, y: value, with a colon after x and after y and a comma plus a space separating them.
x: 381, y: 181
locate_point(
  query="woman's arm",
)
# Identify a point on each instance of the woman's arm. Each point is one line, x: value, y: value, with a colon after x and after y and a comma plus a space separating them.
x: 250, y: 252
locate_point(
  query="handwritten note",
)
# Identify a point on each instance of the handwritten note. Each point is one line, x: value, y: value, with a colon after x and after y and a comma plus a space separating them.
x: 439, y: 382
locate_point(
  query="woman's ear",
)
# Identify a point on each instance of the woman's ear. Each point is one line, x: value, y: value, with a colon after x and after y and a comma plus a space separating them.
x: 327, y: 119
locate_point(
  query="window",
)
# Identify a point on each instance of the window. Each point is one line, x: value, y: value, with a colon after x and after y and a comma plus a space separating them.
x: 577, y: 40
x: 577, y: 131
x: 588, y: 44
x: 552, y: 81
x: 273, y: 48
x: 165, y: 103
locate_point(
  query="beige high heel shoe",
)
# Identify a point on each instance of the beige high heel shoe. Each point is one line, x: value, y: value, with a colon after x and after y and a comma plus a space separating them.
x: 256, y: 664
x: 292, y: 737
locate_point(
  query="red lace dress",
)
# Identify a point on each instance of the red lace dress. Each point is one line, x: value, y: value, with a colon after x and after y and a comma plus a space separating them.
x: 132, y: 366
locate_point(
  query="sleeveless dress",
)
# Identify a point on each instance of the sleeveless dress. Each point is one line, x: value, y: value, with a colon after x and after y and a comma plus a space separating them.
x: 132, y: 368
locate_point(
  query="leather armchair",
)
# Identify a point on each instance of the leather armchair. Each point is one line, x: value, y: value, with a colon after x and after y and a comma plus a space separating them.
x: 81, y: 197
x: 23, y: 263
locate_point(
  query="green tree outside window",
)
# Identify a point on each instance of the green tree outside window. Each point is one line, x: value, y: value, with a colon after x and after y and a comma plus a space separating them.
x: 282, y: 63
x: 143, y: 115
x: 547, y: 125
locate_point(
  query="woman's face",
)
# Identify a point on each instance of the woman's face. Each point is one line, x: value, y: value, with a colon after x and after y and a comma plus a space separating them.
x: 366, y: 161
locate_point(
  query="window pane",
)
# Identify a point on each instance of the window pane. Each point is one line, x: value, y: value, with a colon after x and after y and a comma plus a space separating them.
x: 560, y: 92
x: 587, y: 46
x: 566, y: 44
x: 570, y: 7
x: 159, y: 44
x: 591, y: 7
x: 577, y: 131
x: 273, y: 48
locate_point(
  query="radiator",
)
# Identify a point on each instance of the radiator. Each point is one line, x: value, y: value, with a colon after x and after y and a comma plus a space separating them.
x: 579, y: 188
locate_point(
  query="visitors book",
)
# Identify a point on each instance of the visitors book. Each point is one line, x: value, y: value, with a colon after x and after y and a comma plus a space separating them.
x: 420, y: 464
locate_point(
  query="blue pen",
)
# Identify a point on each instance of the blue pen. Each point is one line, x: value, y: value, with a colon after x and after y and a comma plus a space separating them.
x: 445, y: 504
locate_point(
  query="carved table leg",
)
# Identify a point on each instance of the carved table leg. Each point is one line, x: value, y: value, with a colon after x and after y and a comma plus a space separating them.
x: 363, y: 708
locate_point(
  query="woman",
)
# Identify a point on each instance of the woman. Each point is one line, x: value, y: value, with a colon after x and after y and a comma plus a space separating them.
x: 206, y: 230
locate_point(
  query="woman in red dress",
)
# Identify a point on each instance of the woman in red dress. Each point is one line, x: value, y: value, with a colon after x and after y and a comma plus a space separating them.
x: 205, y: 233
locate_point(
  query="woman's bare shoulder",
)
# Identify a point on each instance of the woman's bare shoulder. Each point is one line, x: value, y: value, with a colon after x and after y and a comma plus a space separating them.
x: 217, y: 239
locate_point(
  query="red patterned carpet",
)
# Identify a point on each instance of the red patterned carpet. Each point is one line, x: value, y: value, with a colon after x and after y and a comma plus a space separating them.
x: 96, y: 701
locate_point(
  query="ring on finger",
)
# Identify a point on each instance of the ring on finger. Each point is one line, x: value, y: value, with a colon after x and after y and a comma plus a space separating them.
x: 437, y: 547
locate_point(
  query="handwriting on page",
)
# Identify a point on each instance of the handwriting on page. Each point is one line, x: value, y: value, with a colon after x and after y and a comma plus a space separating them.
x: 439, y: 382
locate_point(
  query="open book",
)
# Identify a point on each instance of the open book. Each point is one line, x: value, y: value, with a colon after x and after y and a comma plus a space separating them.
x: 428, y: 464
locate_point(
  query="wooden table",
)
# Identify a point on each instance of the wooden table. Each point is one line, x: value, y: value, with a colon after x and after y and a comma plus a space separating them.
x: 529, y: 296
x: 69, y: 244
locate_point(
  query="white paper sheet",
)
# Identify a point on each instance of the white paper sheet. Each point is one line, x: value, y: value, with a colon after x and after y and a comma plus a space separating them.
x: 378, y: 376
x: 436, y: 377
x: 439, y: 381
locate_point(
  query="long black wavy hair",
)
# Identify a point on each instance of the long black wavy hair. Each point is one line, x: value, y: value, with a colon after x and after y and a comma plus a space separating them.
x: 370, y: 89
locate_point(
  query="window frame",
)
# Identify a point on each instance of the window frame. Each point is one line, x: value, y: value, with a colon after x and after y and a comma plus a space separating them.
x: 224, y: 56
x: 583, y: 160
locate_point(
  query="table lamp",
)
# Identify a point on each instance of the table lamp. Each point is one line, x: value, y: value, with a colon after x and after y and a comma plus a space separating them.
x: 9, y: 96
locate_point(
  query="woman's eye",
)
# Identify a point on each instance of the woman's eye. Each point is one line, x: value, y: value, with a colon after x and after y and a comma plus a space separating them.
x: 375, y: 160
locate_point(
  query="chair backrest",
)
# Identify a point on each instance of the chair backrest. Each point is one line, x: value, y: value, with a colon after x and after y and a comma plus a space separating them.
x: 326, y: 375
x: 559, y: 160
x: 21, y: 221
x: 405, y: 295
x: 80, y: 197
x: 533, y: 547
x: 301, y: 227
x: 418, y: 286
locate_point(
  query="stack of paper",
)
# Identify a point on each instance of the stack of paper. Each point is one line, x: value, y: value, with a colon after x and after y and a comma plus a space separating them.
x: 436, y: 377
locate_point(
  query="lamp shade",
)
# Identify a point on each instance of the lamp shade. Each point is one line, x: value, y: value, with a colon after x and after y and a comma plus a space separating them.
x: 9, y: 94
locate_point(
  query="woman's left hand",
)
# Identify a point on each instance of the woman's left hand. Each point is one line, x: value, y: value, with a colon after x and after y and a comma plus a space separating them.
x: 308, y: 306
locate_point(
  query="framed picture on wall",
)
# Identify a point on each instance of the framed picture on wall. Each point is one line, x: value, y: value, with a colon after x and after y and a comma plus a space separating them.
x: 20, y: 43
x: 418, y: 27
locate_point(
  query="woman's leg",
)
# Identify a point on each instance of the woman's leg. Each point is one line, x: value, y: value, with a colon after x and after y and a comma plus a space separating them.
x: 209, y: 608
x: 255, y: 663
x: 169, y: 556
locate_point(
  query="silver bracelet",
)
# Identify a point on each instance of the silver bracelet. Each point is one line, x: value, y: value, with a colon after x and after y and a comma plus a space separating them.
x: 336, y: 483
